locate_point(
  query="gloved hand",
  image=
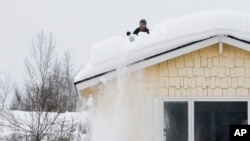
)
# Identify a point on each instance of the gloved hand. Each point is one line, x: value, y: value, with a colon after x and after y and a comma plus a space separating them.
x: 128, y: 33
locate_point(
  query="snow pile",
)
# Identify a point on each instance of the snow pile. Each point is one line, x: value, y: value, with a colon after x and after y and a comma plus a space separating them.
x: 172, y: 33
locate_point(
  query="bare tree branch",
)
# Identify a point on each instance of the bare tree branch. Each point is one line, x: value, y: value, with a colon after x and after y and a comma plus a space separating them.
x: 6, y: 86
x: 49, y: 91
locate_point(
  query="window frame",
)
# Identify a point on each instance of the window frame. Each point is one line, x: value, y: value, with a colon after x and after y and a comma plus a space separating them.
x: 159, y: 111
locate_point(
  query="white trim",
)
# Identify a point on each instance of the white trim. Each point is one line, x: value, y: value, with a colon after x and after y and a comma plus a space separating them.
x: 95, y: 81
x: 208, y: 98
x: 158, y: 117
x: 220, y: 47
x: 248, y: 109
x: 158, y: 106
x: 167, y: 56
x: 236, y: 43
x: 191, y: 121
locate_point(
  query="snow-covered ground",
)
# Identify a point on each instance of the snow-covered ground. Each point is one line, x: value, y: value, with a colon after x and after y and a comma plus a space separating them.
x: 20, y: 123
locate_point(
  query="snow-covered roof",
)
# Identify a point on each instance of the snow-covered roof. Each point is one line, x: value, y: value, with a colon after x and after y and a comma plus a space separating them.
x: 110, y: 54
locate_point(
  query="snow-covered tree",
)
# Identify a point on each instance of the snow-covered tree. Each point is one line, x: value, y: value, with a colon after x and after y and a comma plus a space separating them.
x: 49, y: 91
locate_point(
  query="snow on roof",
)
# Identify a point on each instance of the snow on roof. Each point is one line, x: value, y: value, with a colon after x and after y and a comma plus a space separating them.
x: 118, y: 51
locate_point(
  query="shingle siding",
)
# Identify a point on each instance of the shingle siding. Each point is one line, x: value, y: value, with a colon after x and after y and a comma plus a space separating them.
x: 207, y: 73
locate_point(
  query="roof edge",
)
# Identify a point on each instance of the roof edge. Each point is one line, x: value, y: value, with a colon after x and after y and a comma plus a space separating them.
x: 166, y: 55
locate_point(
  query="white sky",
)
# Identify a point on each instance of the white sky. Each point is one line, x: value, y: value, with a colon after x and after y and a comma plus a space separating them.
x: 76, y: 24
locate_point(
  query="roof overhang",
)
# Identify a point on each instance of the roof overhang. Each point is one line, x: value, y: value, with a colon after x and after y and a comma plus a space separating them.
x: 163, y: 56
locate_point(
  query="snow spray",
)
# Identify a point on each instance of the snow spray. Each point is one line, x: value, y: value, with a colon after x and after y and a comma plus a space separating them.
x: 119, y: 113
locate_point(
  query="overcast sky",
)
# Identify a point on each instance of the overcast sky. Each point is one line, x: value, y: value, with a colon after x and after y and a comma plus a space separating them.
x: 76, y: 24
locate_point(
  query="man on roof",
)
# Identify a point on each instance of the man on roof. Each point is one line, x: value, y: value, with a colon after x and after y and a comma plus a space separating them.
x: 142, y: 27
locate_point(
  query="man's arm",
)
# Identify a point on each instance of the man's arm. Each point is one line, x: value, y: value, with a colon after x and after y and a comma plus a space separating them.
x: 137, y: 30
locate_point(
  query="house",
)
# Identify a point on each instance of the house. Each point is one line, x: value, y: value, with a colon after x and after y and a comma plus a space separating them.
x: 188, y: 80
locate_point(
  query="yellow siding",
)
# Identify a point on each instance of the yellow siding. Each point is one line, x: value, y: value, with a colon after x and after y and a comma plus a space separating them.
x: 89, y: 91
x: 206, y: 73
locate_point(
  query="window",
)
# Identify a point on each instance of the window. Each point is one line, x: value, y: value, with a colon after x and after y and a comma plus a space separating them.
x: 212, y: 119
x: 176, y: 121
x: 203, y: 120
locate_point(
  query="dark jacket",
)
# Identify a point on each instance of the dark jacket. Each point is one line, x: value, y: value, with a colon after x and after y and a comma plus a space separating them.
x: 137, y: 30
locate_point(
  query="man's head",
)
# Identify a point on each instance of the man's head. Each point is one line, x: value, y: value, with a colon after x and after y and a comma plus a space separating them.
x: 143, y: 23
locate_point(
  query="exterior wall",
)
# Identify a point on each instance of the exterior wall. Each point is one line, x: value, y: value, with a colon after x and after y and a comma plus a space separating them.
x: 202, y: 73
x: 206, y: 73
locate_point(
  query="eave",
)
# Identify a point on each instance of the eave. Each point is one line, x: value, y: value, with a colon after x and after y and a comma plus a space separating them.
x: 163, y: 56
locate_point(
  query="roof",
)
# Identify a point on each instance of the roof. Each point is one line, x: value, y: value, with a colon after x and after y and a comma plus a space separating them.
x: 167, y: 40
